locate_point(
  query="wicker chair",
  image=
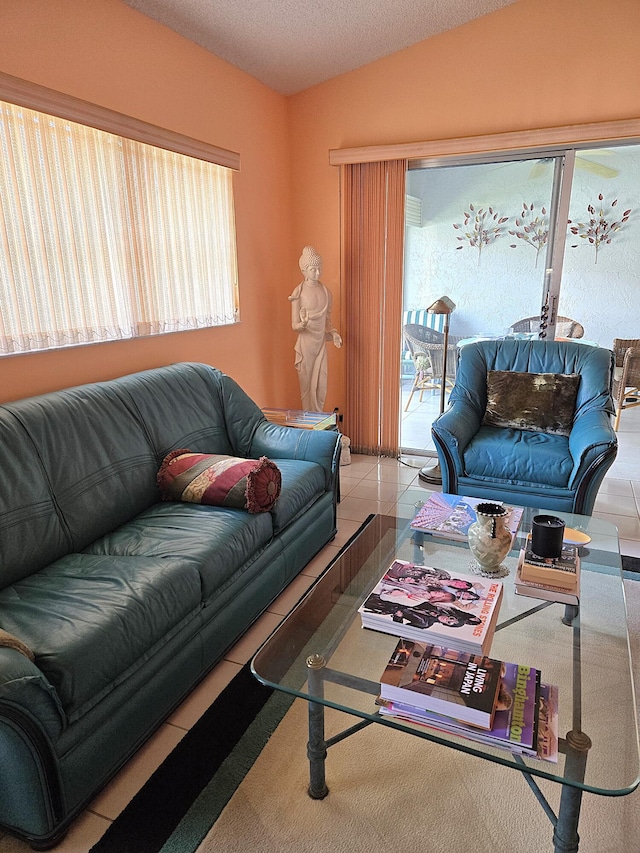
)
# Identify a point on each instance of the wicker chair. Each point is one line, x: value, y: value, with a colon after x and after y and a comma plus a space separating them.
x: 626, y: 380
x: 565, y: 327
x: 426, y: 347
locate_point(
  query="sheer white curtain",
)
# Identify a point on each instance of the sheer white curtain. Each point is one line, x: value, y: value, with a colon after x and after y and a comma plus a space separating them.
x: 102, y: 237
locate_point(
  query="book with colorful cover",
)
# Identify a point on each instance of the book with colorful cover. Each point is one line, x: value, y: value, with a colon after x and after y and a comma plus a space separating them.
x: 431, y: 605
x: 515, y: 723
x: 545, y: 591
x: 451, y: 516
x: 452, y: 683
x: 548, y: 729
x: 562, y: 571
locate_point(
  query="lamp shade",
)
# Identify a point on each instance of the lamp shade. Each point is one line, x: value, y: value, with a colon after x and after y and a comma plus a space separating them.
x: 441, y: 306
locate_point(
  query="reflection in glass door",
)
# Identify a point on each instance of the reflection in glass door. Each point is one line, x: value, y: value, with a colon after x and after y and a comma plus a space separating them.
x: 480, y: 235
x: 602, y: 250
x: 558, y: 231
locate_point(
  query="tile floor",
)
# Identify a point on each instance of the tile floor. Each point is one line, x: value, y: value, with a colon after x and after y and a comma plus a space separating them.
x: 368, y: 485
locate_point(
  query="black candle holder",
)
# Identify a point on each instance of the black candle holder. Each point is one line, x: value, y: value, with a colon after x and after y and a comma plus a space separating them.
x: 547, y: 534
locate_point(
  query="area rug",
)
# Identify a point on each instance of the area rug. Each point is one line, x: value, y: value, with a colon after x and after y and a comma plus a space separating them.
x: 238, y: 779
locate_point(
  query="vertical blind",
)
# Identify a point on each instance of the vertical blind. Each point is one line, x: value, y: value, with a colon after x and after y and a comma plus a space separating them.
x: 104, y: 238
x: 373, y: 245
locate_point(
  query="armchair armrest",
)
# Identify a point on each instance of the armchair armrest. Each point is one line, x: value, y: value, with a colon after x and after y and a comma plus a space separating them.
x: 592, y: 435
x: 452, y: 432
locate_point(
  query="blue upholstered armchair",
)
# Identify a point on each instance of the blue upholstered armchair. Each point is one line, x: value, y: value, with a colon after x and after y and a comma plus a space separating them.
x: 549, y: 466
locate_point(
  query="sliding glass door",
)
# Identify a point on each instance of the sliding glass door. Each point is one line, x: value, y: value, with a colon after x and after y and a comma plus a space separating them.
x: 482, y: 240
x: 541, y: 236
x: 600, y: 282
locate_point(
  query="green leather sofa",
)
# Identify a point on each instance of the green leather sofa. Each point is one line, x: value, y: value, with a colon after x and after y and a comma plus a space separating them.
x: 126, y: 601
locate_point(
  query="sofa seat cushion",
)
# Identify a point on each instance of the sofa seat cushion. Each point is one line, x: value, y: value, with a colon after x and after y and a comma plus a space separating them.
x: 514, y: 456
x: 94, y: 620
x: 302, y: 484
x: 217, y: 541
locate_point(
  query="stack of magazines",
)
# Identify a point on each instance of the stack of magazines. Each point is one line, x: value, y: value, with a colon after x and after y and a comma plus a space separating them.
x: 550, y: 579
x: 478, y: 698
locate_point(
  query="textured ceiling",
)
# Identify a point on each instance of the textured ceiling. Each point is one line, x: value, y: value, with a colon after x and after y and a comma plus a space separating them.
x: 292, y: 44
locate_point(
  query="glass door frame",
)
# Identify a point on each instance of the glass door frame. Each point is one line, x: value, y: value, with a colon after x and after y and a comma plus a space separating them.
x: 564, y: 162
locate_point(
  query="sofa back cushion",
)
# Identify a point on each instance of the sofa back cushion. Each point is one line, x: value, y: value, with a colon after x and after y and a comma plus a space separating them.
x: 195, y: 406
x: 80, y: 462
x: 97, y: 460
x: 31, y: 531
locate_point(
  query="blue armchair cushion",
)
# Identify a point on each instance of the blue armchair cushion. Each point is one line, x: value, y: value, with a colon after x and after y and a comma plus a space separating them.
x: 540, y: 402
x: 513, y: 456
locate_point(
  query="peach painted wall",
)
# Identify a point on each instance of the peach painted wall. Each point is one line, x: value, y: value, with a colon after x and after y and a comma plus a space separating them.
x: 105, y: 52
x: 536, y: 63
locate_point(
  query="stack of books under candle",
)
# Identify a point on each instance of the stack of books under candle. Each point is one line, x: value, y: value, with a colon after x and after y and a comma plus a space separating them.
x: 550, y: 579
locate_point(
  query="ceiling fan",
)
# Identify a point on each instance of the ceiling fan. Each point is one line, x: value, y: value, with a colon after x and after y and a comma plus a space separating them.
x: 539, y: 168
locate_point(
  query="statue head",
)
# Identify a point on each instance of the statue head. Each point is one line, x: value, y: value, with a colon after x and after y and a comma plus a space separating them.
x: 310, y: 258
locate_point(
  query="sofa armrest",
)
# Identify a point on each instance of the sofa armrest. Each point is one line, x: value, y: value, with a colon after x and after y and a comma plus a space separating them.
x: 309, y: 445
x: 25, y: 690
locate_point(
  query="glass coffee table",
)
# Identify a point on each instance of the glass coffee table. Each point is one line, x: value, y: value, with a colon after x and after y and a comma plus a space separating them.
x: 321, y: 653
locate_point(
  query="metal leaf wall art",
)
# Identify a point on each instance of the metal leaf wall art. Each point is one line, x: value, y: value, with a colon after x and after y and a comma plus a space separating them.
x: 481, y: 228
x: 532, y: 230
x: 598, y: 231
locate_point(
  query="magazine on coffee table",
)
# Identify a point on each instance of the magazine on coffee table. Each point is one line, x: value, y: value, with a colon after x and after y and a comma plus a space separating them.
x: 515, y: 724
x: 433, y: 606
x: 451, y: 516
x: 455, y: 684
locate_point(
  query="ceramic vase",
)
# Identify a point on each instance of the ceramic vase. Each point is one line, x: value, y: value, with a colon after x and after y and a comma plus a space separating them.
x: 489, y: 538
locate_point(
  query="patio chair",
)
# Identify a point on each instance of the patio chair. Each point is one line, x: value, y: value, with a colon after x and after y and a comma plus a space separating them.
x: 626, y: 377
x: 426, y: 347
x: 529, y: 423
x: 565, y: 327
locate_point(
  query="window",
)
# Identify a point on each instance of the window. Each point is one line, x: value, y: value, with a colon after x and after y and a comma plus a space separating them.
x: 103, y: 237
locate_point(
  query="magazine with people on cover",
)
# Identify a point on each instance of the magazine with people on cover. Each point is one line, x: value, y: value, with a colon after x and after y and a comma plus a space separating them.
x: 431, y: 605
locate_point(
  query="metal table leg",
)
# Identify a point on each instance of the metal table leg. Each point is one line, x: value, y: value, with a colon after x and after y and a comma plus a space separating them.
x: 565, y: 835
x: 316, y: 746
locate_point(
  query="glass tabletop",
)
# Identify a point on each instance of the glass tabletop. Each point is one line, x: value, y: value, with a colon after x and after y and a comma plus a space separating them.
x: 596, y: 697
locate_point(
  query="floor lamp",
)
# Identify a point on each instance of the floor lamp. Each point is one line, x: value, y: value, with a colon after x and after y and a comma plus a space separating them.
x: 445, y: 306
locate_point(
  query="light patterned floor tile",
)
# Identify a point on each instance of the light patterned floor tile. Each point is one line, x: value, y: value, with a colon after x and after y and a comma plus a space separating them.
x: 249, y: 643
x: 357, y: 509
x: 615, y: 505
x: 320, y: 562
x: 287, y: 600
x: 85, y: 831
x: 377, y: 491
